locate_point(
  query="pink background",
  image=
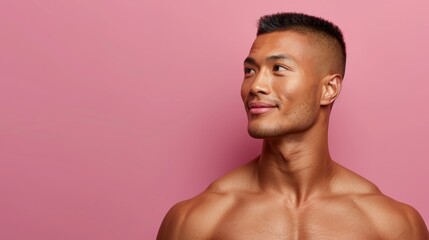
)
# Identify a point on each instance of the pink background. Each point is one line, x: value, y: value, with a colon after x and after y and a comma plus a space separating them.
x: 112, y: 111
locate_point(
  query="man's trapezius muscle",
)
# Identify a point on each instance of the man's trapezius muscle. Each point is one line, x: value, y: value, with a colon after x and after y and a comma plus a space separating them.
x: 293, y: 190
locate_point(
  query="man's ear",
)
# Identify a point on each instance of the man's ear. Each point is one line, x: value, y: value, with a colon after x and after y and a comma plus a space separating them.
x: 331, y: 89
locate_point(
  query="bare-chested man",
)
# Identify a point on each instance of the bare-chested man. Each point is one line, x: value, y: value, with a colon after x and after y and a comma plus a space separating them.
x: 293, y: 190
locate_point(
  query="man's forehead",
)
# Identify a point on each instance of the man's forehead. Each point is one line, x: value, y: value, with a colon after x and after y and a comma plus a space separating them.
x: 286, y: 43
x: 280, y: 37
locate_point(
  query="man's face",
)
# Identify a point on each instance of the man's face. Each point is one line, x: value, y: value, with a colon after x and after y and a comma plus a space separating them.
x: 281, y: 89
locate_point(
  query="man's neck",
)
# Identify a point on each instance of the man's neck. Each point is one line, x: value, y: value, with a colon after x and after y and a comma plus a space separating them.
x: 299, y: 167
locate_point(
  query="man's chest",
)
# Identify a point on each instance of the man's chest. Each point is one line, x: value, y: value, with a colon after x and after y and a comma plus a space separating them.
x: 317, y: 222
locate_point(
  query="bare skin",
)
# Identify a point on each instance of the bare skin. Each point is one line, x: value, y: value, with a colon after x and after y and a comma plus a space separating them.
x: 293, y: 190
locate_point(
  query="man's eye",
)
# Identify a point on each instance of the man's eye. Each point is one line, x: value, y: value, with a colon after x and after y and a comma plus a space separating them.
x: 248, y: 70
x: 278, y: 68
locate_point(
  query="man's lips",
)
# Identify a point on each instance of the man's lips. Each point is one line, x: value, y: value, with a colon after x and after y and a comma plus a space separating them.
x: 260, y: 107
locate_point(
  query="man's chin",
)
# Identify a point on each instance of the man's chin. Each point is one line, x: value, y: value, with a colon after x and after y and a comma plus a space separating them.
x: 263, y: 133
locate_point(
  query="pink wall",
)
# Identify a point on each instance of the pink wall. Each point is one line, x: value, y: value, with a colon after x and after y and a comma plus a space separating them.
x: 111, y: 111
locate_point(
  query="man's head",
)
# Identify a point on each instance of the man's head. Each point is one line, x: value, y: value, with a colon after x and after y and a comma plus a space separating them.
x: 293, y: 74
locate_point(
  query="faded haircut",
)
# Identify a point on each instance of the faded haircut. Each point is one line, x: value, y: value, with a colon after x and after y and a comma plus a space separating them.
x: 303, y: 22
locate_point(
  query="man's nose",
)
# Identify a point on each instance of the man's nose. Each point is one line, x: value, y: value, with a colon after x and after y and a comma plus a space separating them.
x: 261, y: 84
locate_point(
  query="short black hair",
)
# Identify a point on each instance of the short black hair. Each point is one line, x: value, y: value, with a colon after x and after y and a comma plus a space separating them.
x: 299, y: 21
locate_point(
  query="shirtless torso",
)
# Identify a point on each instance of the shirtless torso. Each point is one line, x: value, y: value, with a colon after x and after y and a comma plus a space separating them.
x: 236, y: 207
x: 293, y: 190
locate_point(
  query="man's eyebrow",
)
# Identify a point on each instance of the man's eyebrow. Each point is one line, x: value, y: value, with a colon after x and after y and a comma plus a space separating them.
x: 278, y: 57
x: 250, y: 60
x: 271, y: 58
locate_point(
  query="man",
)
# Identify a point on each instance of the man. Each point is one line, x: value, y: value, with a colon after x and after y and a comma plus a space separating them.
x: 293, y: 190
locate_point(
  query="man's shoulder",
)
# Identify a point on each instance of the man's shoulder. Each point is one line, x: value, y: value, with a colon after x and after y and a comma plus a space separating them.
x: 208, y: 207
x: 187, y: 219
x: 393, y: 219
x: 350, y: 183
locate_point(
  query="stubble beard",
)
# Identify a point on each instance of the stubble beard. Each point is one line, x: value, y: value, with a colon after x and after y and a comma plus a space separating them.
x: 264, y: 132
x: 298, y: 121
